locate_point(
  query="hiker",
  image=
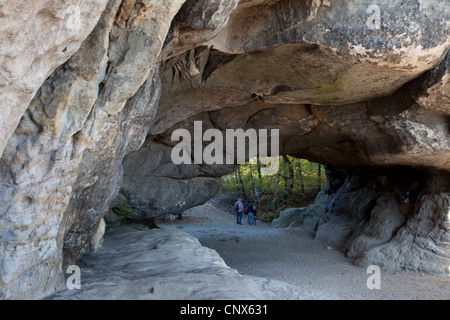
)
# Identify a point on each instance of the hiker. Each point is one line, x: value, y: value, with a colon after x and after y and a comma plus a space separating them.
x: 412, y: 193
x: 239, y: 208
x: 250, y: 209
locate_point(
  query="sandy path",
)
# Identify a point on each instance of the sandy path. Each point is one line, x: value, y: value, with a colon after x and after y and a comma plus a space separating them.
x: 292, y: 256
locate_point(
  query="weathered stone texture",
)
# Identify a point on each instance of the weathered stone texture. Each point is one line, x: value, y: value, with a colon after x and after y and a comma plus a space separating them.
x: 64, y: 161
x: 36, y: 38
x: 342, y: 93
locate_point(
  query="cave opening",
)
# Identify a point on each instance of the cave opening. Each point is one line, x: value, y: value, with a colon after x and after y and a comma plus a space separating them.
x: 320, y: 252
x: 89, y: 105
x: 295, y: 184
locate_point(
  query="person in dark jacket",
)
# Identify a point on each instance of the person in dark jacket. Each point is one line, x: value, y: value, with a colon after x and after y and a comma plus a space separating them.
x: 250, y: 212
x: 412, y: 193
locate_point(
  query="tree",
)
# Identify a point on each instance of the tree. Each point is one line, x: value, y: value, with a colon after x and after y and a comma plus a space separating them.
x: 251, y: 178
x: 237, y: 182
x: 296, y: 184
x: 288, y: 176
x: 300, y: 176
x: 244, y: 196
x: 319, y: 178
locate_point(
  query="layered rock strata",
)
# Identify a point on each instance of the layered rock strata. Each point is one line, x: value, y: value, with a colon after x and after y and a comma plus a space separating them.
x: 348, y: 85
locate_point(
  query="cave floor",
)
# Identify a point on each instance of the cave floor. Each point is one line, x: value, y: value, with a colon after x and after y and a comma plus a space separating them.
x: 291, y: 255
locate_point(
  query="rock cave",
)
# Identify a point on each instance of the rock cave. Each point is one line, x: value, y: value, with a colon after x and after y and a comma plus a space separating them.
x: 91, y: 92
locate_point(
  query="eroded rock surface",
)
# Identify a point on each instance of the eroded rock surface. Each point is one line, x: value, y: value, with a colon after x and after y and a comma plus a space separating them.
x: 308, y: 217
x: 141, y: 264
x: 422, y: 244
x: 154, y: 186
x: 71, y: 141
x: 343, y: 90
x: 366, y: 217
x: 37, y: 38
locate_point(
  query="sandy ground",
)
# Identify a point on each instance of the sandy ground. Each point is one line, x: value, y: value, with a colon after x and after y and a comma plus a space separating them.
x: 293, y: 256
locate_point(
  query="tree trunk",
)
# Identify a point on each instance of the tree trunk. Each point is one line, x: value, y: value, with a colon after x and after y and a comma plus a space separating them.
x: 258, y: 167
x: 251, y: 179
x: 244, y: 196
x: 319, y: 177
x: 237, y: 183
x: 289, y: 176
x: 300, y: 176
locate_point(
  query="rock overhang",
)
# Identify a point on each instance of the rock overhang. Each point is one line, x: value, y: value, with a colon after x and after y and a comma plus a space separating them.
x: 390, y: 108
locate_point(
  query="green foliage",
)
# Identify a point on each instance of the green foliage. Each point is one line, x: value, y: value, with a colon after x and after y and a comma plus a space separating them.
x: 296, y: 184
x: 123, y: 211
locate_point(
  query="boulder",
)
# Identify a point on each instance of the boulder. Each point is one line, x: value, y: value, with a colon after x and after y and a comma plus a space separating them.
x: 288, y: 217
x: 308, y: 217
x: 335, y: 232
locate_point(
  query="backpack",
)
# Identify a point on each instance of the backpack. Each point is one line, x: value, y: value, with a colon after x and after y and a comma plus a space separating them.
x: 236, y: 207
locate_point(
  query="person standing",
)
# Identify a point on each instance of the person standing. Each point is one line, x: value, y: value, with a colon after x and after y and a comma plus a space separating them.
x: 239, y: 208
x: 250, y: 210
x: 412, y: 193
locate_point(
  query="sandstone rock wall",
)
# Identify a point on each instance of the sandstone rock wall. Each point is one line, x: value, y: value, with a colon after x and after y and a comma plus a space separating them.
x: 63, y: 164
x: 422, y: 244
x: 138, y: 69
x: 153, y: 186
x: 365, y: 216
x: 37, y: 37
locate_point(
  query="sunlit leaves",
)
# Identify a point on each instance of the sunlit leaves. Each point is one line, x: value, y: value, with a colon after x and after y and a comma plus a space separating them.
x: 273, y: 193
